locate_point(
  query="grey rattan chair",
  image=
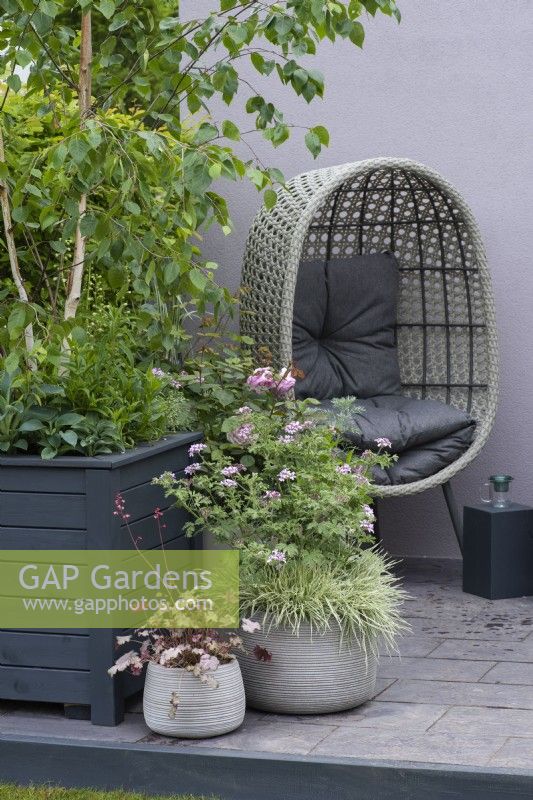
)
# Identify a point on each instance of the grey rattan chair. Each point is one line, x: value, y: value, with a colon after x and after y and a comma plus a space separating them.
x: 446, y: 334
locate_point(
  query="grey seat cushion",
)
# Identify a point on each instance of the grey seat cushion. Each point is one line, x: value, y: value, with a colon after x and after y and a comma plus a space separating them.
x: 344, y: 323
x: 427, y: 435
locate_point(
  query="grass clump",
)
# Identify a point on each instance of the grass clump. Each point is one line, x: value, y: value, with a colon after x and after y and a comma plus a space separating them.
x: 359, y: 593
x: 12, y: 792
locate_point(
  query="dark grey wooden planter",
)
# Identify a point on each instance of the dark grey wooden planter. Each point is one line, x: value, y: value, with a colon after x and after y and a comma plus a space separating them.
x: 66, y: 504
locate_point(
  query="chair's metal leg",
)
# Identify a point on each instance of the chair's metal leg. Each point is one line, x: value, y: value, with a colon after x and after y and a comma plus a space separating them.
x: 455, y: 513
x: 377, y: 527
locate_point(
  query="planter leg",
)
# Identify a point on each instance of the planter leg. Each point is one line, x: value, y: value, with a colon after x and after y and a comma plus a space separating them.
x: 107, y: 698
x: 72, y: 711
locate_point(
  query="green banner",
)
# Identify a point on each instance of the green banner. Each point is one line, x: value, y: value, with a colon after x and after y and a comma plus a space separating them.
x: 119, y: 588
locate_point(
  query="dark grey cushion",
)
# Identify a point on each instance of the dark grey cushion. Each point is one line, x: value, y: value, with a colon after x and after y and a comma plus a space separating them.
x: 344, y: 327
x: 426, y: 434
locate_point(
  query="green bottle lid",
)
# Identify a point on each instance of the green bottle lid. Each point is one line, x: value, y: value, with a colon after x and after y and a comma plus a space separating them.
x: 501, y: 482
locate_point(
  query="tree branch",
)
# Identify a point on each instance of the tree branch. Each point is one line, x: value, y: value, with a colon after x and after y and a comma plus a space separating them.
x: 12, y: 249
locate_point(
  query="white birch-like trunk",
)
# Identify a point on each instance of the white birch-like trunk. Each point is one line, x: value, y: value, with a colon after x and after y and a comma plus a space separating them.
x: 75, y: 279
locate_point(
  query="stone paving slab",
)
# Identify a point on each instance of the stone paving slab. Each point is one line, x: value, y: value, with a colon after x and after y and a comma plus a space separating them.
x: 472, y: 721
x: 410, y: 717
x: 461, y: 692
x: 508, y: 672
x: 436, y: 669
x: 437, y: 748
x: 414, y: 646
x: 483, y: 628
x: 259, y: 734
x: 451, y: 693
x: 503, y: 650
x: 56, y: 726
x: 514, y: 753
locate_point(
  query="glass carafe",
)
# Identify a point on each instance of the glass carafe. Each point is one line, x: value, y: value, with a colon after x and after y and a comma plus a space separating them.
x: 497, y: 491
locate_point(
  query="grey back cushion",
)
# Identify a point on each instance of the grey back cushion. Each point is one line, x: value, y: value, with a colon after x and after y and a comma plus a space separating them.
x: 344, y: 322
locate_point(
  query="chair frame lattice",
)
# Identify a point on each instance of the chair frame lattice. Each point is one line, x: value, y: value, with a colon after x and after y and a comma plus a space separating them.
x: 446, y: 333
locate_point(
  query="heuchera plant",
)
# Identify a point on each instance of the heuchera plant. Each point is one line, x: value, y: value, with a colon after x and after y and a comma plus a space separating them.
x: 198, y: 651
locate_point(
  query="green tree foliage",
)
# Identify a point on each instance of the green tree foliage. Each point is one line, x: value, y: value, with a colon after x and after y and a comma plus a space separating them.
x: 111, y: 155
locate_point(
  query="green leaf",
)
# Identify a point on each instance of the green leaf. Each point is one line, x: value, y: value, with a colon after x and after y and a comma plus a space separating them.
x: 70, y: 437
x: 230, y: 130
x: 31, y: 425
x: 132, y: 207
x: 69, y: 419
x: 322, y: 133
x: 48, y: 453
x: 271, y: 198
x: 107, y: 8
x: 16, y: 321
x: 14, y: 82
x: 88, y: 224
x: 312, y: 143
x: 78, y: 149
x: 198, y: 279
x: 116, y: 277
x: 171, y: 271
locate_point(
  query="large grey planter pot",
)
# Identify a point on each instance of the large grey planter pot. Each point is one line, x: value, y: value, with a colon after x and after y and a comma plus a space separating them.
x: 202, y: 711
x: 67, y: 504
x: 308, y: 674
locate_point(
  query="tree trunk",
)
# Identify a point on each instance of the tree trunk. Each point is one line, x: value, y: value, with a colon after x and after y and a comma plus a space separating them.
x: 75, y: 279
x: 12, y: 248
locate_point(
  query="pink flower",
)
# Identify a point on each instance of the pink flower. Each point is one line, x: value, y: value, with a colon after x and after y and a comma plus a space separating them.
x: 381, y: 441
x: 369, y: 512
x: 277, y: 556
x: 343, y: 469
x: 229, y: 483
x: 285, y: 385
x: 286, y: 475
x: 158, y: 372
x: 122, y: 640
x: 261, y: 380
x: 208, y: 663
x: 129, y: 660
x: 286, y: 439
x: 271, y: 495
x: 242, y: 435
x: 367, y: 526
x: 249, y: 626
x: 120, y: 508
x: 175, y: 384
x: 196, y: 448
x: 233, y: 469
x: 294, y: 427
x: 190, y: 469
x: 244, y: 410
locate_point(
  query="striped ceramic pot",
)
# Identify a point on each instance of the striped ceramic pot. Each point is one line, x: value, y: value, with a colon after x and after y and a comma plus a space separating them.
x: 311, y: 673
x: 201, y: 711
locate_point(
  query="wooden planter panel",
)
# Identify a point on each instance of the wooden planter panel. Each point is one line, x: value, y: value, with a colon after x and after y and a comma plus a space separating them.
x: 67, y: 504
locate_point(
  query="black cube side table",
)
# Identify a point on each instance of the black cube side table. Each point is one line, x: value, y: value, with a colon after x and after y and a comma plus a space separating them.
x: 498, y: 551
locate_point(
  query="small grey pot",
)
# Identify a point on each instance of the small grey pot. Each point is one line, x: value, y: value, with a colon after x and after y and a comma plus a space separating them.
x: 308, y: 674
x: 202, y: 711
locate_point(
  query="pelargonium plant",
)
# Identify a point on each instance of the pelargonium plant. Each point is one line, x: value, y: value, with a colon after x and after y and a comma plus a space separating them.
x: 286, y: 489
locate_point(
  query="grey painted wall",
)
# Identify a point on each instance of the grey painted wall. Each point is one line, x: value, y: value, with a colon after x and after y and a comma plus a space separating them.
x: 452, y: 87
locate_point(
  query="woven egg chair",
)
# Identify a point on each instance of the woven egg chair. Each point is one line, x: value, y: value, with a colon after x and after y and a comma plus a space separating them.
x: 446, y: 329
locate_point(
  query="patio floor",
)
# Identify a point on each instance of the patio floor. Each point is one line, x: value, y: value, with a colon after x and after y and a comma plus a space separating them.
x: 460, y: 694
